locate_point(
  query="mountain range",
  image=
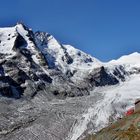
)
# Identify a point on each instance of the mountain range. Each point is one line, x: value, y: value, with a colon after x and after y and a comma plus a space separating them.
x: 56, y: 92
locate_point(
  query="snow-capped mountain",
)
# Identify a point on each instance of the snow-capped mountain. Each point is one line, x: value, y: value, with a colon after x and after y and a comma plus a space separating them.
x: 43, y: 60
x: 42, y: 74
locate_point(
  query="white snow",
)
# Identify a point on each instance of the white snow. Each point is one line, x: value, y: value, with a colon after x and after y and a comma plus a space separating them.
x: 129, y: 61
x: 81, y: 59
x: 31, y: 46
x: 7, y: 38
x: 54, y: 52
x: 133, y: 58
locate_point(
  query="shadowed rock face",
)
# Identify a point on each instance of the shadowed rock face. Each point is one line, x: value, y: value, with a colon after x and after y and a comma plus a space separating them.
x: 19, y: 42
x: 41, y: 73
x: 102, y: 78
x: 10, y: 88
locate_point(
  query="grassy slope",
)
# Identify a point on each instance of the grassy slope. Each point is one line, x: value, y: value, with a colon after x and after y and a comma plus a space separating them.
x: 127, y: 128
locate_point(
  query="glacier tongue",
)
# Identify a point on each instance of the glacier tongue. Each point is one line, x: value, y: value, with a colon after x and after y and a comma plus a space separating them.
x: 115, y: 101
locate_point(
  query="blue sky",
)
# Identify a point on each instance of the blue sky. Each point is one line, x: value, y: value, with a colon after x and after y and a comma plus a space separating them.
x: 105, y: 29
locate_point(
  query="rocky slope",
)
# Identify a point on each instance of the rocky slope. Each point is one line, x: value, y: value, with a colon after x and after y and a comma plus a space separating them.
x: 53, y: 91
x: 126, y: 128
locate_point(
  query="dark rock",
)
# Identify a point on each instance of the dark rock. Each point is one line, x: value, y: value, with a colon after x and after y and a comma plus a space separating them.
x: 45, y: 78
x: 19, y: 42
x: 102, y: 78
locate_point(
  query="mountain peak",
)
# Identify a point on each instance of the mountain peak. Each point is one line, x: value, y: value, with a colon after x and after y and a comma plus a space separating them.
x: 23, y: 25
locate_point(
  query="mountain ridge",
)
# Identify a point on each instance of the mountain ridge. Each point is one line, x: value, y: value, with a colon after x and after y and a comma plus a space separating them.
x: 45, y: 53
x: 60, y: 91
